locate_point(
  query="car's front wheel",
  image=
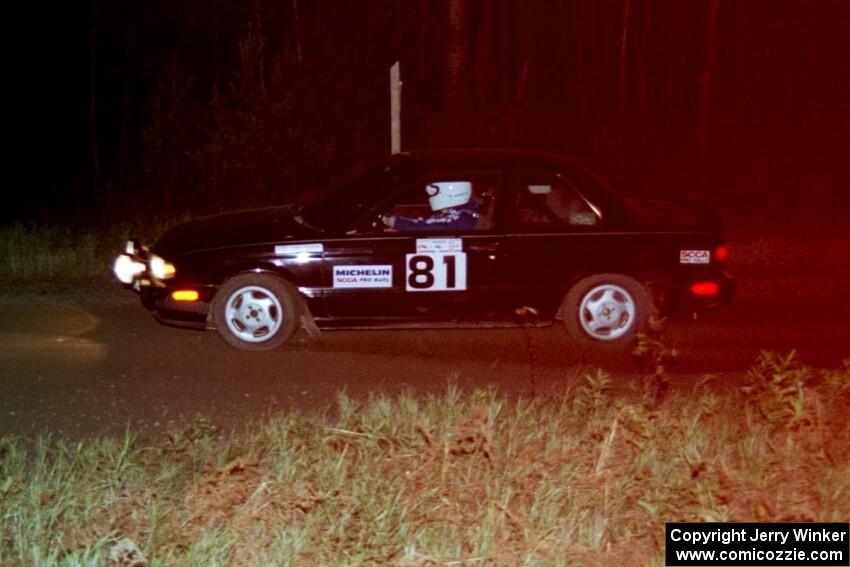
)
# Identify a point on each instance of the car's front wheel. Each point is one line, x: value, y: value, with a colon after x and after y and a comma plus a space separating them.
x: 606, y: 310
x: 256, y: 311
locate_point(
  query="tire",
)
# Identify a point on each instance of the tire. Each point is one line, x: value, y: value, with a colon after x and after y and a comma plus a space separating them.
x: 256, y: 311
x: 606, y: 310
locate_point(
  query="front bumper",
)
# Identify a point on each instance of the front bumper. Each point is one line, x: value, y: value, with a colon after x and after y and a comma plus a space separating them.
x: 167, y: 310
x: 132, y: 268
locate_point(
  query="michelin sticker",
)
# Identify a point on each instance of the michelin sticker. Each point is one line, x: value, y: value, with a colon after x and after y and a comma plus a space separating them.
x: 363, y: 276
x: 283, y: 249
x: 694, y: 256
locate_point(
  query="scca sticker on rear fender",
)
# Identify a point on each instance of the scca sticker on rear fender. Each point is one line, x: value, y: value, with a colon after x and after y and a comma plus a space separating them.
x: 694, y: 256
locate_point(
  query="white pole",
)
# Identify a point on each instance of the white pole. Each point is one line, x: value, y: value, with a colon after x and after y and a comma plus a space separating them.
x: 395, y: 107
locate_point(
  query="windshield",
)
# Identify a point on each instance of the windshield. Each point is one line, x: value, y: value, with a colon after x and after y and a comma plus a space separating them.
x: 337, y: 209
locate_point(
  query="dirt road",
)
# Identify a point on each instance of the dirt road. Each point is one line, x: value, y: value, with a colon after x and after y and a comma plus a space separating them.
x: 86, y: 360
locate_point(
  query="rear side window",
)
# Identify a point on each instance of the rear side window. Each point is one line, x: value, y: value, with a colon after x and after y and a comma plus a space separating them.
x: 549, y: 202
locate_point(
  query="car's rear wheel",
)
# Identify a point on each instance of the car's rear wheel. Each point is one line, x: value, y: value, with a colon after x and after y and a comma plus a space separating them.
x: 256, y: 311
x: 606, y: 310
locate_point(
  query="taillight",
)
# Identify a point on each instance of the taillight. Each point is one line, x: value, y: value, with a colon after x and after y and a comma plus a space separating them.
x: 721, y: 254
x: 705, y: 289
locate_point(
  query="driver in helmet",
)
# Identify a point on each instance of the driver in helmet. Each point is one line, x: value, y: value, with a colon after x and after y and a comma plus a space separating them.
x: 452, y: 205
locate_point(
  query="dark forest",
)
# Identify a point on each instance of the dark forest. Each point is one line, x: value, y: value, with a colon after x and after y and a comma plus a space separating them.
x: 125, y: 108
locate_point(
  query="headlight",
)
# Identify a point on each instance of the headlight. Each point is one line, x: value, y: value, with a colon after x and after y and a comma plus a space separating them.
x: 160, y: 269
x: 126, y: 269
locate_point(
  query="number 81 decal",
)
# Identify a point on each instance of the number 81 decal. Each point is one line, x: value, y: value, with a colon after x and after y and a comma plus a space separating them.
x: 436, y: 272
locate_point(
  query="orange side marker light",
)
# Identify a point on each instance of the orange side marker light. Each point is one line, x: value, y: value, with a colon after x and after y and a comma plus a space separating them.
x: 185, y: 295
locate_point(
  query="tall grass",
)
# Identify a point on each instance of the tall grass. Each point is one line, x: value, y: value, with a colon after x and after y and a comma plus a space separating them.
x: 28, y: 252
x: 48, y: 251
x: 582, y: 476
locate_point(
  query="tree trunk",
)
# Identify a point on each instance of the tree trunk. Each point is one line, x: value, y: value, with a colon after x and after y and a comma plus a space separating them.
x: 483, y: 71
x: 642, y: 69
x: 296, y: 18
x: 624, y: 42
x: 678, y: 99
x: 580, y: 87
x: 457, y: 58
x: 706, y: 80
x: 95, y: 159
x: 505, y: 41
x: 423, y: 36
x: 124, y: 136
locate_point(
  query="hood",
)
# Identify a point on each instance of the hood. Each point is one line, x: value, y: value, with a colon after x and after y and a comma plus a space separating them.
x: 256, y: 226
x: 675, y: 214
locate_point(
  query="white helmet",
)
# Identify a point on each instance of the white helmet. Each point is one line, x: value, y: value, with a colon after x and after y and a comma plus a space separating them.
x: 445, y: 194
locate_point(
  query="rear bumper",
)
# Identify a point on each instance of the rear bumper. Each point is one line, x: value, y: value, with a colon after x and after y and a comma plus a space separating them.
x: 685, y: 300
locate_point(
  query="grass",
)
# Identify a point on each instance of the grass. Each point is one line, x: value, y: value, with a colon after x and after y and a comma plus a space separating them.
x: 45, y: 252
x: 582, y: 476
x: 59, y: 250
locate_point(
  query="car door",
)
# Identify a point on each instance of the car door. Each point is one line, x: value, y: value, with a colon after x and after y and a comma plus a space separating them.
x: 554, y: 233
x: 421, y: 271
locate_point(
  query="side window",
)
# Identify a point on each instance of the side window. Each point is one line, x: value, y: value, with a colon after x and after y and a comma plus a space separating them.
x: 443, y: 204
x: 550, y: 202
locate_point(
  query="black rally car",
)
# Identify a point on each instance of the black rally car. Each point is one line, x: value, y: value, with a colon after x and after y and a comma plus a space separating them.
x: 438, y: 238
